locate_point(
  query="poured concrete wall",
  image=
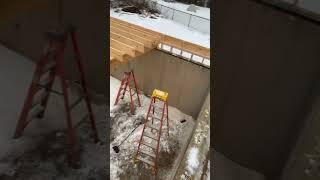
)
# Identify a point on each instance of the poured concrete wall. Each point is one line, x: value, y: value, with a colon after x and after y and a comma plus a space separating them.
x: 267, y: 68
x: 24, y: 33
x: 187, y: 83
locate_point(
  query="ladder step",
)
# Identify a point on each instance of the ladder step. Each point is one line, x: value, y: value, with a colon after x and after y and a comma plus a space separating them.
x: 152, y: 116
x: 151, y: 145
x: 153, y: 126
x: 146, y: 161
x: 157, y: 107
x: 151, y: 154
x: 49, y: 66
x: 39, y: 99
x: 76, y: 102
x: 150, y: 135
x: 36, y: 110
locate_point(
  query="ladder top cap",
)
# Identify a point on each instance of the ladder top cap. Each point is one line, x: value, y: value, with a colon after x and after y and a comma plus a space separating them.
x: 160, y: 94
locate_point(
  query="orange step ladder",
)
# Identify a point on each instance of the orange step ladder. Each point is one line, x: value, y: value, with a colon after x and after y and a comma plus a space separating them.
x: 149, y: 144
x: 51, y: 65
x: 126, y: 81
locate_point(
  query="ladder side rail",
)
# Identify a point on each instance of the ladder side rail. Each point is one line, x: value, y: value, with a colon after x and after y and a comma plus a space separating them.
x: 159, y: 135
x: 136, y: 87
x: 131, y: 102
x: 167, y: 107
x: 120, y: 89
x: 45, y: 100
x: 144, y: 127
x: 83, y: 84
x: 21, y: 124
x: 62, y: 76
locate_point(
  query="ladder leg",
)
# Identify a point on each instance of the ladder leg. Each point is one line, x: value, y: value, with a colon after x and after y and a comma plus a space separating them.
x: 84, y: 85
x: 118, y: 95
x: 46, y: 98
x: 71, y: 132
x: 154, y: 102
x: 131, y: 102
x: 22, y: 122
x: 126, y: 81
x: 137, y: 90
x: 167, y: 107
x: 144, y: 126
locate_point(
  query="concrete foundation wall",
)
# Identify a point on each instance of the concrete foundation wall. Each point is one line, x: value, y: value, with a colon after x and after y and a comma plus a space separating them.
x: 24, y: 33
x: 187, y: 83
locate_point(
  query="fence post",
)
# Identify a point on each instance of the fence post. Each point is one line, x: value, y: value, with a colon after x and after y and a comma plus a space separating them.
x: 173, y: 13
x: 189, y: 21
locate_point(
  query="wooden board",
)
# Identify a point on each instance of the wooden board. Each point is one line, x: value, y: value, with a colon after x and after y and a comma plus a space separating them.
x: 128, y: 41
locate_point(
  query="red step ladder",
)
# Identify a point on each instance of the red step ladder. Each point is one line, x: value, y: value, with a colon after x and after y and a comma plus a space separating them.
x: 149, y: 144
x: 128, y: 77
x: 48, y: 67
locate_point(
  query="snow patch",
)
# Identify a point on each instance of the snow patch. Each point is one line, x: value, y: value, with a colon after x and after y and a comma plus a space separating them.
x: 193, y: 161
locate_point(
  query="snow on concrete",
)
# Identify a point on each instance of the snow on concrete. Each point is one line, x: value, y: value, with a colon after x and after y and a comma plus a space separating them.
x: 202, y: 11
x: 208, y: 171
x: 123, y: 122
x: 193, y: 161
x: 165, y: 26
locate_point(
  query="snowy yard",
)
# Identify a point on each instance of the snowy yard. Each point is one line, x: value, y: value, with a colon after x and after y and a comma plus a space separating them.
x: 202, y: 11
x: 165, y: 26
x: 122, y: 122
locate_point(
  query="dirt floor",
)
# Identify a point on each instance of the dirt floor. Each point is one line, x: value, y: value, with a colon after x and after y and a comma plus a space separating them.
x: 123, y: 122
x: 48, y: 159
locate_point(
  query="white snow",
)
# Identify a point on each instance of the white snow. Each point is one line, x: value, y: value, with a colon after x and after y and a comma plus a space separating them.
x: 165, y: 26
x: 202, y: 11
x: 193, y: 161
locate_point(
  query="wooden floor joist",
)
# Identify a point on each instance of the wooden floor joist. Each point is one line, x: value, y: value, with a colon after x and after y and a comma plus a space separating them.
x: 129, y: 40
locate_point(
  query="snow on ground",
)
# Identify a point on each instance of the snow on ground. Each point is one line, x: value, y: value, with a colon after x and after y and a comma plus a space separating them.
x: 193, y: 161
x: 202, y: 11
x: 165, y: 26
x: 123, y: 122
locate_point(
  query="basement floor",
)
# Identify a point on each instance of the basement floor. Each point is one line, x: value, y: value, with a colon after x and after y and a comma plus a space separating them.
x: 123, y: 122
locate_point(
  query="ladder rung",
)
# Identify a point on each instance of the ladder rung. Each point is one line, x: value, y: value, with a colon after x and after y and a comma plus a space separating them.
x: 157, y: 107
x: 45, y: 79
x: 35, y: 111
x: 151, y: 145
x: 152, y: 116
x: 152, y: 126
x: 151, y: 154
x: 50, y: 90
x: 76, y: 102
x: 146, y: 161
x: 49, y: 66
x: 39, y: 99
x: 149, y: 135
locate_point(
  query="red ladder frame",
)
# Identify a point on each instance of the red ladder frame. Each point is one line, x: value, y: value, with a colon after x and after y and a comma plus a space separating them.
x: 127, y: 77
x: 57, y: 41
x: 165, y: 115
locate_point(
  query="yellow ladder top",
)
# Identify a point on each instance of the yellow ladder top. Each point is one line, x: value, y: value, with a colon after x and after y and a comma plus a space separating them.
x: 160, y: 94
